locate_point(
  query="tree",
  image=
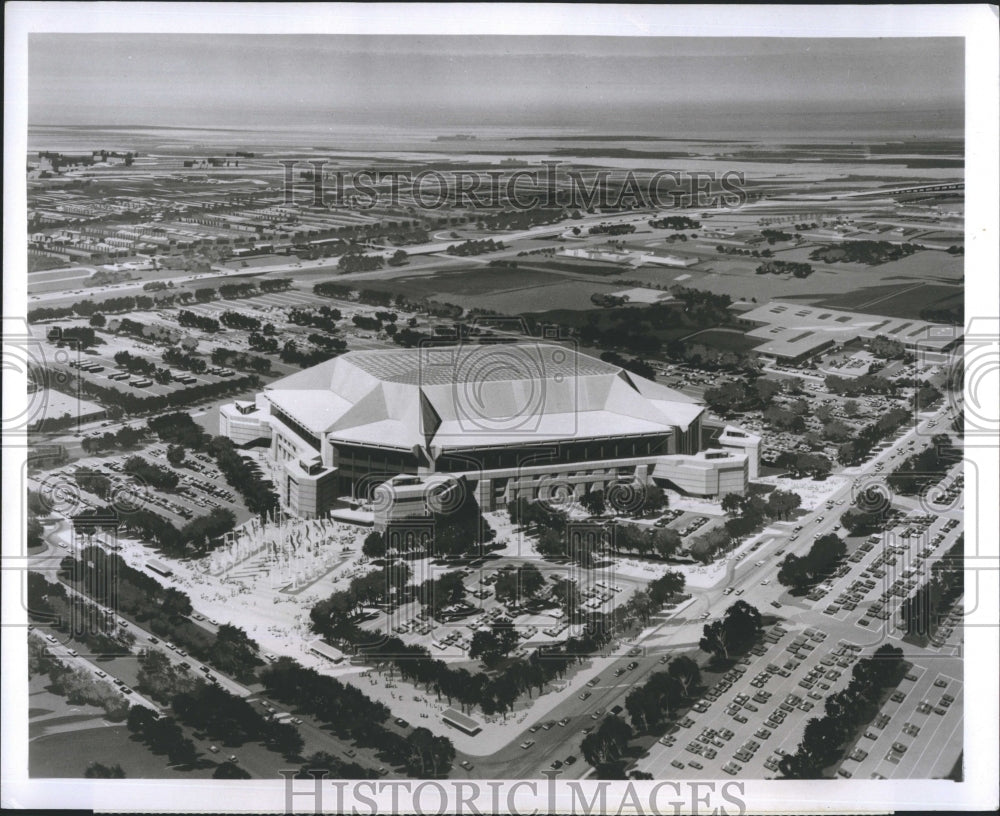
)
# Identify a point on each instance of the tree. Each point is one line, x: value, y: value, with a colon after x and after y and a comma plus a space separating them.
x: 665, y: 587
x: 782, y: 503
x: 484, y: 645
x: 593, y: 502
x: 732, y: 503
x: 655, y: 498
x: 98, y: 321
x: 666, y: 542
x: 737, y: 630
x: 229, y: 770
x: 374, y: 545
x: 285, y: 739
x: 176, y: 455
x: 686, y: 671
x: 96, y: 770
x: 139, y: 717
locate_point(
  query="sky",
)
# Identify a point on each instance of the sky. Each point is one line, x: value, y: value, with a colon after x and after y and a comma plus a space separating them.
x: 603, y: 83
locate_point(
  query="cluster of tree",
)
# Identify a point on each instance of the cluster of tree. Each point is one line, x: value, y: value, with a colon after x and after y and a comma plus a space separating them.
x: 925, y: 468
x: 135, y: 364
x: 625, y: 500
x: 322, y: 763
x: 236, y: 320
x: 399, y: 258
x: 125, y: 437
x: 291, y: 354
x: 866, y: 438
x: 191, y: 320
x: 493, y: 692
x: 549, y: 525
x: 162, y: 680
x: 866, y: 252
x: 502, y: 263
x: 352, y: 714
x: 78, y: 337
x: 87, y: 308
x: 98, y: 770
x: 472, y: 247
x: 233, y: 720
x: 367, y: 323
x: 78, y: 618
x: 158, y: 477
x: 748, y: 512
x: 722, y: 249
x: 734, y: 634
x: 738, y: 395
x: 442, y: 591
x: 608, y: 301
x: 604, y: 749
x: 190, y: 362
x: 675, y: 222
x: 886, y: 348
x: 794, y: 268
x: 800, y: 572
x: 864, y: 520
x: 611, y: 229
x: 824, y: 739
x: 234, y: 291
x: 36, y: 510
x: 519, y: 219
x: 222, y: 356
x: 635, y: 365
x: 663, y: 542
x: 143, y: 331
x: 324, y: 317
x: 333, y: 290
x: 338, y: 617
x: 162, y: 735
x: 178, y: 428
x: 925, y: 396
x: 923, y: 611
x: 663, y: 694
x: 268, y: 285
x: 518, y: 584
x: 800, y: 465
x: 856, y: 386
x: 707, y: 546
x: 261, y: 342
x: 356, y: 262
x: 257, y: 495
x: 78, y: 685
x: 494, y: 644
x: 229, y: 650
x: 774, y: 236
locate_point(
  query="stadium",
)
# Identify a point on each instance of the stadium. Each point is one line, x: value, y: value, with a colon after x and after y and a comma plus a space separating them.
x: 391, y: 428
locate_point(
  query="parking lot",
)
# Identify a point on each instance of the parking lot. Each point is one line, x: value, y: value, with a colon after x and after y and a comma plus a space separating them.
x: 201, y: 489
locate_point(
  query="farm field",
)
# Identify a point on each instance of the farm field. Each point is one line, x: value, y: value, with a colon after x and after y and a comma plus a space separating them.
x: 502, y: 290
x: 901, y: 300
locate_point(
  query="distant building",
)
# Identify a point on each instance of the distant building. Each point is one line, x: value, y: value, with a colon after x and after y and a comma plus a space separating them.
x: 794, y: 333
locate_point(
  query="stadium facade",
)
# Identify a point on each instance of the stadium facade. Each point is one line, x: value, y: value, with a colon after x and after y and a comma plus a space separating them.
x: 525, y: 420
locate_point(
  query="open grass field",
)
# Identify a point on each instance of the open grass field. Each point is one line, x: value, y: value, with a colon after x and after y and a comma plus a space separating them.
x: 67, y: 754
x: 502, y: 290
x: 900, y: 300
